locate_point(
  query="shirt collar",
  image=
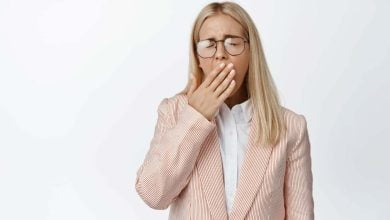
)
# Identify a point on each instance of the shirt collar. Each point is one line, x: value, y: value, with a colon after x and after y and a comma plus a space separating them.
x: 245, y: 106
x: 247, y: 109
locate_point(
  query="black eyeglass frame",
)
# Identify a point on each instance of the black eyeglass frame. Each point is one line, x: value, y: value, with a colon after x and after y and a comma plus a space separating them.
x: 216, y: 45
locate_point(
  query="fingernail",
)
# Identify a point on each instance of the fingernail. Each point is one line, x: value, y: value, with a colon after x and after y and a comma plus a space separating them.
x: 222, y: 64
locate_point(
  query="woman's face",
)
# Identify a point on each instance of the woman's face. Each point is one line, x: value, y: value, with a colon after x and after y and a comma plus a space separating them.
x: 217, y: 27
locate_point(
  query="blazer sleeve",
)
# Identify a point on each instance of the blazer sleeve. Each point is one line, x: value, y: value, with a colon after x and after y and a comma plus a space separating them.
x: 298, y: 185
x: 172, y: 154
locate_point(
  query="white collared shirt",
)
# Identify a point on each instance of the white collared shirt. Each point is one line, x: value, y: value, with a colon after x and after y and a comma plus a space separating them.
x: 233, y: 131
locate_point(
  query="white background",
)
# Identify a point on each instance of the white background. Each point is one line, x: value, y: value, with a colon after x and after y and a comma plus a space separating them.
x: 80, y: 82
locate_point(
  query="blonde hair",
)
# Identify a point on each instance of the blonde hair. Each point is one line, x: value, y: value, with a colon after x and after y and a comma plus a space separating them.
x: 259, y: 83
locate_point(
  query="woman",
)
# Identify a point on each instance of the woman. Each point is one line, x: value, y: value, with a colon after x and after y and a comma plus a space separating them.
x: 224, y: 148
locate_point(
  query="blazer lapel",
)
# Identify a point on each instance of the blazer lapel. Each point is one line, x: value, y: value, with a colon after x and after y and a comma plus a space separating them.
x: 210, y: 171
x: 252, y: 172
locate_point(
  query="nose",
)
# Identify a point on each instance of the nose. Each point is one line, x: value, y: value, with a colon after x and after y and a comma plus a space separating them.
x: 220, y: 54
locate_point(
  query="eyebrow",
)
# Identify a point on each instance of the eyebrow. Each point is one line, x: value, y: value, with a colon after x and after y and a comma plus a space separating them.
x: 224, y: 36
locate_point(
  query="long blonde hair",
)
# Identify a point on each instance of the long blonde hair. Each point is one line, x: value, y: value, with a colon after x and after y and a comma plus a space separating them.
x: 259, y: 83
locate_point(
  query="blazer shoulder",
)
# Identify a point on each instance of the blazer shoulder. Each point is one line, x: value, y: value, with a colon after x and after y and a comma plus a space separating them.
x: 295, y: 122
x: 172, y: 104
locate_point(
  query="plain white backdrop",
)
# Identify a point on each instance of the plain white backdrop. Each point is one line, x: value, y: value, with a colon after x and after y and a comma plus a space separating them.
x: 80, y: 82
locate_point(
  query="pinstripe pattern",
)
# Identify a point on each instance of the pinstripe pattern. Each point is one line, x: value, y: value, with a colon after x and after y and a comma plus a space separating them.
x: 183, y: 169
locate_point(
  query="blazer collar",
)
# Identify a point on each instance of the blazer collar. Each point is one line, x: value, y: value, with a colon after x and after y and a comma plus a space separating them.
x: 210, y: 170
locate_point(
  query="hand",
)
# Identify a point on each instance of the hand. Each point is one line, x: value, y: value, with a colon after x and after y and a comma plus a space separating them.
x: 213, y: 91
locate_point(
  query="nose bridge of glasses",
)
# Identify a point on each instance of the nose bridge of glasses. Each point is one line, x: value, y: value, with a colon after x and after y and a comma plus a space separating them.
x: 223, y: 48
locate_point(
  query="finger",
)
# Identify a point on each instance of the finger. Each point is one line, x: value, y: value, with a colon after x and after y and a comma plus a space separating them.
x: 219, y: 79
x: 212, y: 75
x: 227, y: 92
x: 221, y: 87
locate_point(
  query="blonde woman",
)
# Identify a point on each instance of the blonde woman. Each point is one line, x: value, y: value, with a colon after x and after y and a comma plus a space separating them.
x: 224, y: 147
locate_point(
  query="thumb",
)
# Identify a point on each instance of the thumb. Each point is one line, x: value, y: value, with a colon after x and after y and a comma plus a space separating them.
x: 193, y: 84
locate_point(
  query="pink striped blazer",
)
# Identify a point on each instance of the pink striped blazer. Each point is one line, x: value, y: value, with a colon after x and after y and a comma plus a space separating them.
x: 183, y: 169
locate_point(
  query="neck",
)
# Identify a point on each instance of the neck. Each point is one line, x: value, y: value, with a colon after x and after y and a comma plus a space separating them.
x: 238, y: 97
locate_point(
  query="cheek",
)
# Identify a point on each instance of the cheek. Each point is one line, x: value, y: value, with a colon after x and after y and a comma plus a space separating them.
x: 241, y: 68
x: 206, y: 67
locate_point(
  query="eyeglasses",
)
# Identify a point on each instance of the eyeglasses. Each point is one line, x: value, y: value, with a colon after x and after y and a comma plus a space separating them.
x: 233, y: 45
